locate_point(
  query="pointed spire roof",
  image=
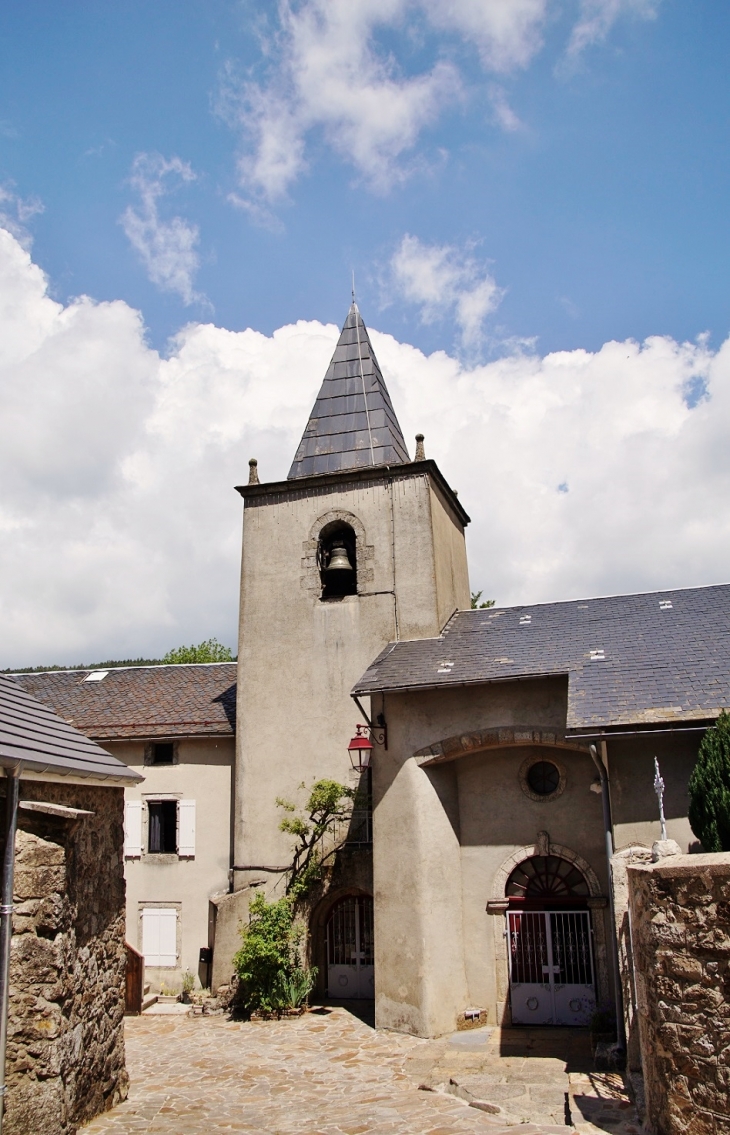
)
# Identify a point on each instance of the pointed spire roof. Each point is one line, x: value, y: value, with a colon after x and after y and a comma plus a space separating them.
x: 352, y: 423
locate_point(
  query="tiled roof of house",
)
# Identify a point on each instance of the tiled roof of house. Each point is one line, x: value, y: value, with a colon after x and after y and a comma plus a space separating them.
x: 34, y: 736
x: 353, y: 422
x: 142, y: 701
x: 662, y: 657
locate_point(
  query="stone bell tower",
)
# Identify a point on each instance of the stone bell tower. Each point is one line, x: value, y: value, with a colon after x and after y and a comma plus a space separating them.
x: 360, y: 546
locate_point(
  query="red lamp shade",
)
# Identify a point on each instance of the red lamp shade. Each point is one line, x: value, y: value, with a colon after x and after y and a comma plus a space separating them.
x: 360, y: 748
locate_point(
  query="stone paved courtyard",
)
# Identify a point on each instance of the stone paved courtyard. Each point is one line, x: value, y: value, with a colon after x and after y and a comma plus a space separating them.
x: 327, y: 1073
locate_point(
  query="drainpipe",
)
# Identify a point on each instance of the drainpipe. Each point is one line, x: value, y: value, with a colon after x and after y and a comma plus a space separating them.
x: 6, y: 917
x: 608, y: 830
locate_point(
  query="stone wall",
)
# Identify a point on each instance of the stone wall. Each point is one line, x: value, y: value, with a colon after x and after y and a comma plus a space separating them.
x: 680, y: 926
x: 65, y: 1056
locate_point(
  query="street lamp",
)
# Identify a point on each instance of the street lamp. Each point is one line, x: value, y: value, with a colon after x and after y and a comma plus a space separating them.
x: 360, y: 749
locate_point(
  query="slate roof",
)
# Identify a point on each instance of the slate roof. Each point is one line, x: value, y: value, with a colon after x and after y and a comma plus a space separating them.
x: 32, y: 734
x: 142, y: 701
x: 662, y: 657
x: 352, y: 422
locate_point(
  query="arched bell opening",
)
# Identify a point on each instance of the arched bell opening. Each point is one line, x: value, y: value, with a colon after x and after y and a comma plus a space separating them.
x: 337, y: 560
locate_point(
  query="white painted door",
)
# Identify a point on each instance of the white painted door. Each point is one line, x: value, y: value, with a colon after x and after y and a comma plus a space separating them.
x: 350, y: 968
x: 551, y: 967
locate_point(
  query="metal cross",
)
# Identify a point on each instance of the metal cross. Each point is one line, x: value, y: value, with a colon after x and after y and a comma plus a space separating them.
x: 659, y: 789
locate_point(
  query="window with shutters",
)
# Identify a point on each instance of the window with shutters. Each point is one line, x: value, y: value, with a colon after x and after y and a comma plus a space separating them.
x: 160, y: 936
x: 162, y: 827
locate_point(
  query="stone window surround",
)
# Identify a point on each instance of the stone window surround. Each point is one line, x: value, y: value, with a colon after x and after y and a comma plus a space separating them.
x: 156, y: 856
x: 525, y: 785
x: 147, y: 904
x: 149, y: 749
x: 310, y: 578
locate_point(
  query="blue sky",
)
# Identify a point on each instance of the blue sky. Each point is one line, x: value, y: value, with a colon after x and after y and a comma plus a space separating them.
x: 534, y: 197
x: 598, y: 204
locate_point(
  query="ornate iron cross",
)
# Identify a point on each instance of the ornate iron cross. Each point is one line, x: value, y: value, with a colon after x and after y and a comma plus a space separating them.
x: 659, y: 789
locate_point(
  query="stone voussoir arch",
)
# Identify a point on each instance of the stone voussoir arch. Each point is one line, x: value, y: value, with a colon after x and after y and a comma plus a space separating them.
x: 310, y: 577
x: 497, y: 737
x: 502, y: 874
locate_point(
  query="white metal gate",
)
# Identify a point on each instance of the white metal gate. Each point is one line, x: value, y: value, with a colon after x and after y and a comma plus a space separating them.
x: 350, y: 961
x: 551, y: 967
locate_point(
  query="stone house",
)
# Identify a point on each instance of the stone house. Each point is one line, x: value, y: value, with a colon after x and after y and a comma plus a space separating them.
x: 174, y: 725
x: 65, y: 1045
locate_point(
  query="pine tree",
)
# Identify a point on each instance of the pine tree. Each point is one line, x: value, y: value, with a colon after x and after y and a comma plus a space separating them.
x: 709, y: 788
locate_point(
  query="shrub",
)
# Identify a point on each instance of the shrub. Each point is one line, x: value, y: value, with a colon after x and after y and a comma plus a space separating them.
x: 709, y: 788
x: 209, y: 651
x: 269, y: 969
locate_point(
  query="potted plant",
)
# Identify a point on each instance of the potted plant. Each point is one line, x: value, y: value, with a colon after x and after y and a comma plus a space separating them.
x: 188, y: 985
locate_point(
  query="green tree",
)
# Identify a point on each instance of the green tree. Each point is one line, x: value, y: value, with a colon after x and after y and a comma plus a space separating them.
x: 709, y: 788
x: 209, y: 651
x: 476, y: 605
x: 328, y: 806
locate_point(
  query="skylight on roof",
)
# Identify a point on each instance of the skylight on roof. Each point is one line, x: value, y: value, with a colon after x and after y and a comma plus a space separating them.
x: 665, y: 604
x: 525, y: 619
x: 96, y: 676
x: 598, y: 655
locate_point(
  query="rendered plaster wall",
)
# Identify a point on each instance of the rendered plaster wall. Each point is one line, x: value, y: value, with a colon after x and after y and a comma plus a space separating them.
x: 633, y: 801
x: 441, y: 835
x: 680, y: 917
x: 299, y: 656
x: 203, y: 773
x: 65, y: 1055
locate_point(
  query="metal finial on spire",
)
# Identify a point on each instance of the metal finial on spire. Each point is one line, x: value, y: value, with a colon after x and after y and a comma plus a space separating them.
x: 353, y: 285
x: 659, y: 789
x: 253, y: 472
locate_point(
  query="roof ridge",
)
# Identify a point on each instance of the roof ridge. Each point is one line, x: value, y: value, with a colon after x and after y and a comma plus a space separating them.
x: 110, y: 669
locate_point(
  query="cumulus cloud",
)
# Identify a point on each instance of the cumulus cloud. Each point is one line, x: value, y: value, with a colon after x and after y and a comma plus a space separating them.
x: 17, y: 211
x: 584, y: 472
x: 168, y: 249
x: 597, y: 17
x: 443, y: 280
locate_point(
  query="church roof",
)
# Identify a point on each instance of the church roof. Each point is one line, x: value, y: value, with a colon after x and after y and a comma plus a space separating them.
x: 661, y: 657
x: 32, y: 735
x: 352, y: 423
x: 142, y: 701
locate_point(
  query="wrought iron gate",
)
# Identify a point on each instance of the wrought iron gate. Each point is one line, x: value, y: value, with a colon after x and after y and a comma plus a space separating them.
x: 350, y: 961
x: 551, y: 967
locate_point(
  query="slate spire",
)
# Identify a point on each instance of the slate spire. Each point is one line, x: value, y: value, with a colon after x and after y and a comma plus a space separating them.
x: 352, y: 423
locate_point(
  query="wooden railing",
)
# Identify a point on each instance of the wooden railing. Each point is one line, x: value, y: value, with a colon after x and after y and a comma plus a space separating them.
x: 134, y: 988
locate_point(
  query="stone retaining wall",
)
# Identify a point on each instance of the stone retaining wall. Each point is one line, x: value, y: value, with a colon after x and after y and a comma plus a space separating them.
x: 680, y: 927
x: 65, y: 1057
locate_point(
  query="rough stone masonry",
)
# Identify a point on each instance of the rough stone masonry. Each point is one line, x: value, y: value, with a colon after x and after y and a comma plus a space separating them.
x: 65, y: 1058
x: 680, y: 924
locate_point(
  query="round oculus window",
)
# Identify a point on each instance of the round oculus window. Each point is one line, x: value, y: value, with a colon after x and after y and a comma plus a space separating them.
x: 543, y: 778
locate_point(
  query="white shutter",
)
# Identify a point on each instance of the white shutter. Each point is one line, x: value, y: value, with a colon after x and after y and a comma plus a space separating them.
x: 159, y: 936
x: 133, y: 829
x: 186, y: 827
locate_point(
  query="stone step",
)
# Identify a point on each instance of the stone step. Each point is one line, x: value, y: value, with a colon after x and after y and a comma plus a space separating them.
x: 147, y: 988
x: 148, y: 999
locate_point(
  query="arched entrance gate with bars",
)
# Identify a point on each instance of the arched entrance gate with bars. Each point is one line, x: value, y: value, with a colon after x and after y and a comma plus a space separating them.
x: 350, y: 954
x: 550, y: 943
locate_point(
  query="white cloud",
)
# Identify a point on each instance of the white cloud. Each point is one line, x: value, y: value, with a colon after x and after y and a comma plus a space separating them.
x: 16, y: 211
x: 329, y: 76
x: 584, y: 473
x: 443, y: 280
x: 597, y: 17
x: 168, y: 249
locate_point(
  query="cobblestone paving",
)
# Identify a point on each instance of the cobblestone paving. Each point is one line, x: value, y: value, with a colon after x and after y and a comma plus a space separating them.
x: 326, y: 1073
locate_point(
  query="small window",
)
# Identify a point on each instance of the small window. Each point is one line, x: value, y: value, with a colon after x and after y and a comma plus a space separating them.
x: 337, y: 558
x: 162, y: 836
x: 543, y: 778
x: 163, y: 753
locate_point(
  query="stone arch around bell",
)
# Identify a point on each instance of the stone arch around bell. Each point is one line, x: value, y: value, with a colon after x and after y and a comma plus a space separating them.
x: 324, y: 529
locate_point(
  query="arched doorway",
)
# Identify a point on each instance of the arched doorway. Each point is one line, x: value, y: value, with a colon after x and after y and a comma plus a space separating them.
x: 350, y: 958
x: 550, y: 943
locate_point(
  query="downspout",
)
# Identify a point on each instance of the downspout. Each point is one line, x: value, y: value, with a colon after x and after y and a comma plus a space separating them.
x: 6, y: 917
x: 608, y: 831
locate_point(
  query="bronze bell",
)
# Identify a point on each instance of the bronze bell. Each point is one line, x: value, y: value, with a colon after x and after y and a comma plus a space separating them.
x: 338, y: 558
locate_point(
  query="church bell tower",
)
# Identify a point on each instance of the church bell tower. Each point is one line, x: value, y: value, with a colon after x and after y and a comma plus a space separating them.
x: 360, y: 546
